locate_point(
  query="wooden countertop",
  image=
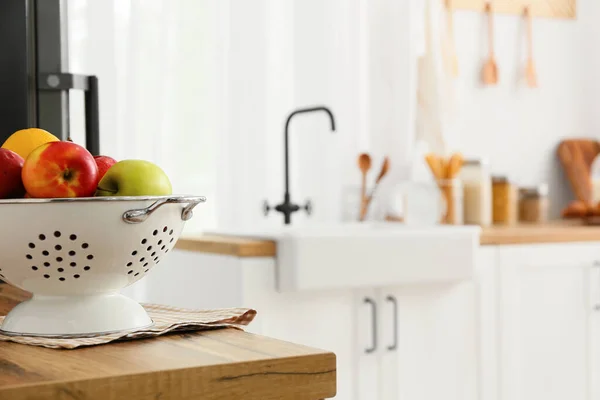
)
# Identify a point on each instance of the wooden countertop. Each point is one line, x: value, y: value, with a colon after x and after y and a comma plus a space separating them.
x: 219, y: 364
x: 229, y: 245
x: 554, y: 232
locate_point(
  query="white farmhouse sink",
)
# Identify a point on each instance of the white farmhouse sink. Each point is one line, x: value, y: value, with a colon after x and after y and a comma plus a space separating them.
x: 369, y: 254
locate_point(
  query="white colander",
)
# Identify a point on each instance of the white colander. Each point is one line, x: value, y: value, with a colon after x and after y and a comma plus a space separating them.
x: 75, y: 255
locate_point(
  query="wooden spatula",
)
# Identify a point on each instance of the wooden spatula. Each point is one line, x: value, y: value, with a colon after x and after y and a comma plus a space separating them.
x: 530, y: 73
x: 490, y: 69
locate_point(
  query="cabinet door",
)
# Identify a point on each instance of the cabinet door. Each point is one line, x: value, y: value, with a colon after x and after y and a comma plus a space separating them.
x: 368, y: 350
x: 428, y: 342
x: 321, y: 319
x: 389, y: 333
x: 595, y: 332
x: 545, y: 321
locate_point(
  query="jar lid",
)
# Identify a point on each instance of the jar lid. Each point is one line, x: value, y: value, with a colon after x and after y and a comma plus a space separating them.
x: 499, y: 179
x: 476, y: 161
x: 534, y: 191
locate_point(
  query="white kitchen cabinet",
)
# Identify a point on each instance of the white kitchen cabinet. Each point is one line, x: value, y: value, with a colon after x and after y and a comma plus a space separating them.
x: 428, y: 346
x: 412, y: 336
x: 546, y: 321
x: 595, y: 358
x: 323, y: 319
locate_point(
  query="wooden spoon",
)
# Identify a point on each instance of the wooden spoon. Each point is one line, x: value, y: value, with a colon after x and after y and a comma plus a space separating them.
x: 385, y: 167
x: 364, y: 164
x: 436, y: 164
x: 490, y: 69
x: 454, y: 165
x: 530, y: 73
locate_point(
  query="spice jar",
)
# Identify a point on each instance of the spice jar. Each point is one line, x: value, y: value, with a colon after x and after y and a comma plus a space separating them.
x: 477, y: 192
x: 452, y: 193
x: 504, y: 201
x: 534, y: 204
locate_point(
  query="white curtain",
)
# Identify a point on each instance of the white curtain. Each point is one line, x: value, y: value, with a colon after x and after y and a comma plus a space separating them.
x: 161, y: 72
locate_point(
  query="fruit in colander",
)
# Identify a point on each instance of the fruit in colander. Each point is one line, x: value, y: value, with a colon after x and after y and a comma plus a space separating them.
x: 134, y: 178
x: 60, y: 169
x: 104, y: 163
x: 11, y: 164
x: 24, y: 141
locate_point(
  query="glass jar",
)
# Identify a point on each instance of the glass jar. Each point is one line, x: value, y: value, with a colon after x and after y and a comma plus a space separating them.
x: 504, y: 201
x: 534, y: 204
x: 416, y: 203
x: 595, y: 178
x: 477, y: 192
x: 452, y: 194
x: 352, y: 204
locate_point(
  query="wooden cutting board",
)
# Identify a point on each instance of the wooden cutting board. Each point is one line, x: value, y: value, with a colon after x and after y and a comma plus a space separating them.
x: 576, y: 157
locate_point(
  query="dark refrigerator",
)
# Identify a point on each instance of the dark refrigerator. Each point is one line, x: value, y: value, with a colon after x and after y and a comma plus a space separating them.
x: 34, y: 79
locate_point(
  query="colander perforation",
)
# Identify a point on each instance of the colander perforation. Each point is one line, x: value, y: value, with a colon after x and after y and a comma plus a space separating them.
x: 149, y: 251
x: 53, y: 254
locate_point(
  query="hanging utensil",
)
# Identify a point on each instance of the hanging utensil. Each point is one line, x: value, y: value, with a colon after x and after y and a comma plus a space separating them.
x: 451, y: 58
x: 530, y: 73
x: 490, y: 69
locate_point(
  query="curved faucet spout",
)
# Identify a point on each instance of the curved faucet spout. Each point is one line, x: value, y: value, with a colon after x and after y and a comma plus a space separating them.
x: 309, y: 110
x: 287, y: 125
x: 287, y: 207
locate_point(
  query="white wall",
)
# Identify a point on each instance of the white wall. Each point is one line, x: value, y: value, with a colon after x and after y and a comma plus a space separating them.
x: 518, y: 128
x: 355, y: 56
x: 161, y: 74
x: 291, y: 54
x: 203, y: 88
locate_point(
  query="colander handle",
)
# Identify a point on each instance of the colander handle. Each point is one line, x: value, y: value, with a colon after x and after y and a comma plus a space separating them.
x: 142, y: 214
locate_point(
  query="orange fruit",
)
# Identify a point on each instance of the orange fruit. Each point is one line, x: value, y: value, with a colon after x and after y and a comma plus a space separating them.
x: 25, y: 141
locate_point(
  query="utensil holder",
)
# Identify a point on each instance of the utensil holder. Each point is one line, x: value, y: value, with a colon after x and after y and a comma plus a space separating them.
x: 452, y: 194
x: 351, y: 205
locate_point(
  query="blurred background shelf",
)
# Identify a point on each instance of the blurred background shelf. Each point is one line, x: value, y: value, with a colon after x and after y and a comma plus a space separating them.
x: 539, y: 8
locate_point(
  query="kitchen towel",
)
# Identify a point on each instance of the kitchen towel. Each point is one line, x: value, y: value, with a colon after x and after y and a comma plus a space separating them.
x: 166, y: 320
x: 436, y: 99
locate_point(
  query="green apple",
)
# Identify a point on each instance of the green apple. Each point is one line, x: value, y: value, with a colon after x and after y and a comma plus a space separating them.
x: 134, y: 178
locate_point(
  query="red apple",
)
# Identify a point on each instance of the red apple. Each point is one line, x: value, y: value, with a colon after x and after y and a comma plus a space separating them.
x: 60, y: 169
x: 11, y: 185
x: 104, y: 163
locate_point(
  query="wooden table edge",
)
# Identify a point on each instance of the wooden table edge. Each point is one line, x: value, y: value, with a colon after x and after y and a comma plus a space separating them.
x: 280, y: 384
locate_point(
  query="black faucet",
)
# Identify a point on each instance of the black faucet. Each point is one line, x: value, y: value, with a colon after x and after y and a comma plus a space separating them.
x: 287, y: 207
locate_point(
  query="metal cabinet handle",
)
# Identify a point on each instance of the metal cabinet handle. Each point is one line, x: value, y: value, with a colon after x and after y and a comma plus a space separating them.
x: 394, y: 302
x: 374, y: 322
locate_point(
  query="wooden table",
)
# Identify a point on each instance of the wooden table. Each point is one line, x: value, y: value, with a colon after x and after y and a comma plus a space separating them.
x: 220, y: 364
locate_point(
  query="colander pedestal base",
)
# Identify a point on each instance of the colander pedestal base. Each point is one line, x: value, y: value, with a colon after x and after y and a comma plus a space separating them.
x: 75, y: 316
